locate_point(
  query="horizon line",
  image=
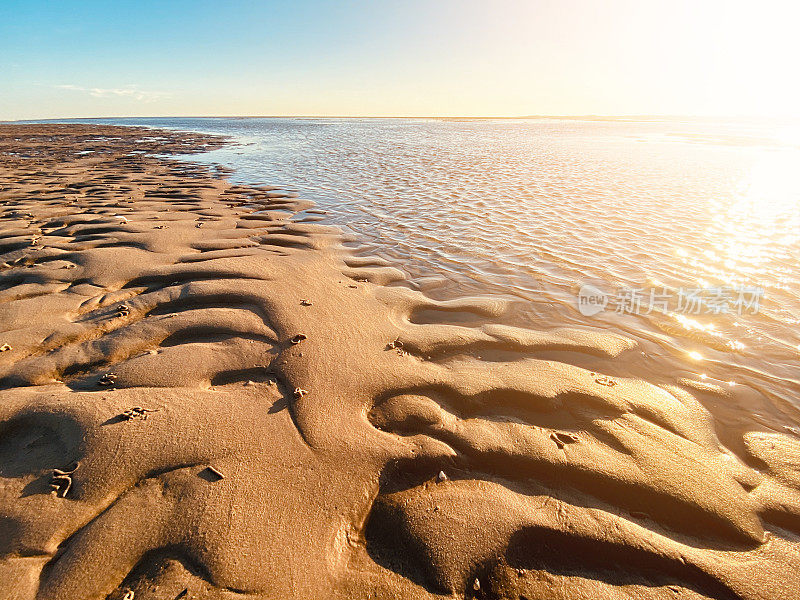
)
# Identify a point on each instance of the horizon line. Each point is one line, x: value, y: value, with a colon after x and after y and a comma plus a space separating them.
x: 588, y: 116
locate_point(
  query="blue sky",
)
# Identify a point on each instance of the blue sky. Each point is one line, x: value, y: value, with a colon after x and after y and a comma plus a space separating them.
x: 446, y: 57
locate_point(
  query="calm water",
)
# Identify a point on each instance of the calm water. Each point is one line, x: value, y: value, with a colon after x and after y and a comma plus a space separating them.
x: 535, y: 209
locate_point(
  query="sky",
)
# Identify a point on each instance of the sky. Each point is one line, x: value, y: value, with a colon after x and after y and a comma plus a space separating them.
x: 398, y: 58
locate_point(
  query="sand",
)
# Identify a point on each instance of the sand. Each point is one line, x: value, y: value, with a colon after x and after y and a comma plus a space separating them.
x: 205, y: 394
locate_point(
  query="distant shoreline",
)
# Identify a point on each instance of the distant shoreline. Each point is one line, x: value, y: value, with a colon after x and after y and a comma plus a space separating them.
x: 622, y: 118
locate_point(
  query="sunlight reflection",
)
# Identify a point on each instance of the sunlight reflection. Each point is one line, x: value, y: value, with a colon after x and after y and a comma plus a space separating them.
x: 764, y: 220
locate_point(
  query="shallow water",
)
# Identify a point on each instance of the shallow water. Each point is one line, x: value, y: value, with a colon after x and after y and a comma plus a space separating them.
x: 535, y: 209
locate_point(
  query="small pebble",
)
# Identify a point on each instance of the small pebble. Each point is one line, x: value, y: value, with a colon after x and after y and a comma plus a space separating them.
x: 298, y: 338
x: 442, y: 476
x: 216, y: 473
x: 107, y: 379
x: 137, y: 412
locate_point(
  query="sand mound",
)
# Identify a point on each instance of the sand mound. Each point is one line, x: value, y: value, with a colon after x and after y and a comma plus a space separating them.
x: 204, y: 395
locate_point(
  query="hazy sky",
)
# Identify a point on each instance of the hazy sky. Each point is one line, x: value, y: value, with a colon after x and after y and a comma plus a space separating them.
x: 445, y: 57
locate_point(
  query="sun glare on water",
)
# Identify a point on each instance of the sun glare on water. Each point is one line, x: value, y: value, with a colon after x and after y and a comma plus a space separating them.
x: 755, y: 233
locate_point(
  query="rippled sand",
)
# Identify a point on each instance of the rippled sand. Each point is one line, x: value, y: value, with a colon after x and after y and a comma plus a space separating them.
x: 205, y: 394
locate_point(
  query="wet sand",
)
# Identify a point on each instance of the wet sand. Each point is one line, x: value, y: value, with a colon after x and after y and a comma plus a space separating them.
x: 204, y: 394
